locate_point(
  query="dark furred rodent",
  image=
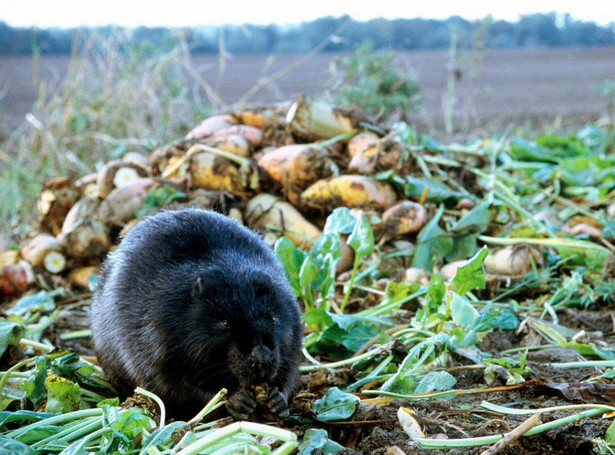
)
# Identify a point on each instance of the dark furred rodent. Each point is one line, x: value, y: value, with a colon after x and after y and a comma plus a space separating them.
x: 191, y: 302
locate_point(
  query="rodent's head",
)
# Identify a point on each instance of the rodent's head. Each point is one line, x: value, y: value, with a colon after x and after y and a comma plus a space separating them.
x: 241, y: 316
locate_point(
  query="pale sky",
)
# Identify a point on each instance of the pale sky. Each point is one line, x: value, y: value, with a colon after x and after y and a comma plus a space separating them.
x: 71, y: 13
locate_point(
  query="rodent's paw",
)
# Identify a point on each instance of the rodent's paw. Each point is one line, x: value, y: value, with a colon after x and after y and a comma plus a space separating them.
x: 241, y: 404
x: 276, y: 403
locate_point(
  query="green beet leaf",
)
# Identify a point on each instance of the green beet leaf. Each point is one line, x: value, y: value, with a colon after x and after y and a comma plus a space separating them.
x: 462, y: 311
x: 436, y: 190
x: 19, y: 416
x: 335, y: 405
x: 9, y: 446
x: 402, y: 382
x: 433, y: 243
x: 318, y: 439
x: 476, y: 220
x: 161, y: 435
x: 610, y: 434
x: 291, y: 259
x: 435, y: 380
x: 341, y: 221
x: 38, y: 434
x: 62, y: 395
x: 361, y: 238
x: 35, y: 384
x: 471, y: 275
x: 129, y: 423
x: 10, y: 334
x: 156, y: 198
x: 41, y: 301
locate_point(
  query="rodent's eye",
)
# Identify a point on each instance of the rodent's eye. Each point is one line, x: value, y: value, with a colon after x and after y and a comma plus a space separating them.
x: 273, y: 318
x: 225, y: 324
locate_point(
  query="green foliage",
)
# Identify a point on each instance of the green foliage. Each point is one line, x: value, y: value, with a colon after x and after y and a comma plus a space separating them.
x: 312, y: 273
x: 34, y: 386
x: 9, y: 446
x: 157, y: 198
x: 435, y: 380
x: 11, y: 332
x: 42, y: 301
x: 515, y: 368
x: 335, y: 405
x: 374, y: 81
x: 339, y: 335
x: 471, y: 275
x: 62, y: 395
x: 317, y: 438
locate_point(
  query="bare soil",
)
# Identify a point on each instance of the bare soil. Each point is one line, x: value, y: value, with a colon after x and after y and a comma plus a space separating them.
x: 492, y: 89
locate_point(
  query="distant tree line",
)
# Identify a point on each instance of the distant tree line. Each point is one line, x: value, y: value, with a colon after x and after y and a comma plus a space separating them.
x: 536, y: 30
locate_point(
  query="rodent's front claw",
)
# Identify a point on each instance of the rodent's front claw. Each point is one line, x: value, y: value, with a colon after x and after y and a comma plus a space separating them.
x: 276, y: 403
x: 241, y: 404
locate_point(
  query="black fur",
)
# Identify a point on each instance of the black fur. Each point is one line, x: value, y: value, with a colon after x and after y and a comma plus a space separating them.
x: 191, y: 302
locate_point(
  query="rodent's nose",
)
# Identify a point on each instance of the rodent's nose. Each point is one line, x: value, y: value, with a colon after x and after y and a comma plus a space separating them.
x: 260, y: 361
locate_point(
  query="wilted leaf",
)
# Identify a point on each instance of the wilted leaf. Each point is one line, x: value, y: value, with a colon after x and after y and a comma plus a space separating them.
x: 70, y: 366
x: 409, y: 424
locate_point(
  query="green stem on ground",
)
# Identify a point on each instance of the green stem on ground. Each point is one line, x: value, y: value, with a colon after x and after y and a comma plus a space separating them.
x: 229, y: 431
x: 427, y: 443
x: 350, y: 282
x: 6, y: 375
x: 341, y: 363
x: 56, y: 420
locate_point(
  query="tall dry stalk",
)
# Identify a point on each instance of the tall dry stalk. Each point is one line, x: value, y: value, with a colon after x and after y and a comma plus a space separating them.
x: 117, y: 96
x: 450, y: 96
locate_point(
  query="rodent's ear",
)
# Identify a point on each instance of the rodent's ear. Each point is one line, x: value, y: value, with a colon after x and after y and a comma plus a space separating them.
x: 262, y: 284
x: 209, y: 279
x: 198, y: 287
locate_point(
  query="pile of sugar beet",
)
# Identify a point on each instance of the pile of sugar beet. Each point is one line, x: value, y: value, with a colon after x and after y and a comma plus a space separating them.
x: 280, y: 170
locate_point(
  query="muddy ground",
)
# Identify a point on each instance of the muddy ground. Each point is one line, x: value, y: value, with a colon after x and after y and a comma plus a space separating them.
x: 374, y: 428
